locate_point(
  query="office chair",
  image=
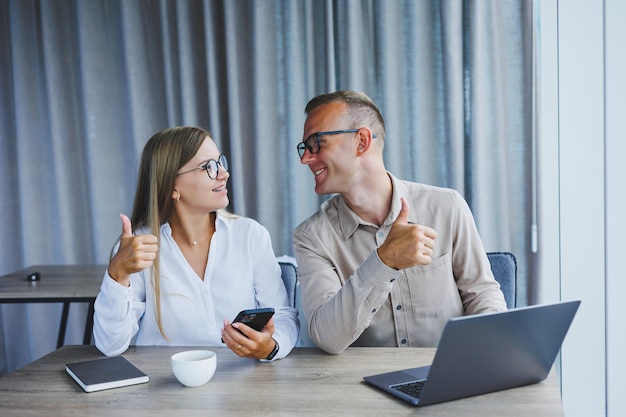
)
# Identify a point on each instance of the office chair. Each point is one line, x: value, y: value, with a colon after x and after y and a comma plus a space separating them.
x: 289, y: 275
x: 504, y: 268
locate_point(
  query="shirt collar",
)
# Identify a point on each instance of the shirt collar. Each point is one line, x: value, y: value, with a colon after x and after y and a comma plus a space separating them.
x: 220, y: 221
x: 400, y: 190
x: 348, y: 220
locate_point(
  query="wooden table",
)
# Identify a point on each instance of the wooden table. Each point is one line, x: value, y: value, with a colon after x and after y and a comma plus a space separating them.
x: 306, y: 383
x: 57, y: 284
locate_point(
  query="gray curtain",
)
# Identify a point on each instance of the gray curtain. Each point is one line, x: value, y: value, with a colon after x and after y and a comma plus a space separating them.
x: 85, y: 83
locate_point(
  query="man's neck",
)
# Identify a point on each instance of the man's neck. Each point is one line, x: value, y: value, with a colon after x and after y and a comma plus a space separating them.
x: 372, y: 200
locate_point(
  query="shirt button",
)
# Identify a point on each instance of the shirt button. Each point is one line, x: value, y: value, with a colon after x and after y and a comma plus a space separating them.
x: 398, y: 307
x: 403, y: 341
x: 374, y: 311
x: 392, y: 280
x: 380, y: 234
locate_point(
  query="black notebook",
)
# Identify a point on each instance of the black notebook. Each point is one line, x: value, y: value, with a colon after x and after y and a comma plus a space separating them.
x: 105, y: 373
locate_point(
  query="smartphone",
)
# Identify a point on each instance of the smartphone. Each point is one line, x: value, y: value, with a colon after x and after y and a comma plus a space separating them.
x: 256, y: 318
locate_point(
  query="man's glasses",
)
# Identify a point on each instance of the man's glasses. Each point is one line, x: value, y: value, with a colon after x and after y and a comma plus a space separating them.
x: 212, y: 167
x: 312, y: 143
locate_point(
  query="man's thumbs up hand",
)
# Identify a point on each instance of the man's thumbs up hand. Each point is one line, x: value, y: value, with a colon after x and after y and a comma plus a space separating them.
x: 407, y: 245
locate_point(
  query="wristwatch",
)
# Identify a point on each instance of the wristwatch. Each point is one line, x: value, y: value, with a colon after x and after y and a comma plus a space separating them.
x: 273, y: 352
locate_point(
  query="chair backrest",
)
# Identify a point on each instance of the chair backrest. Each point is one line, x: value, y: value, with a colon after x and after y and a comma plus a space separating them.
x: 504, y: 268
x: 288, y: 273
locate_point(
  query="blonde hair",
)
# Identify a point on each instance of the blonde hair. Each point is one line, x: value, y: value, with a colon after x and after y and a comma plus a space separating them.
x: 162, y: 157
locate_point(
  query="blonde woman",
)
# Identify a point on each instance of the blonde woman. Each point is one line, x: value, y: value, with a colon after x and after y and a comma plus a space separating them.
x: 183, y: 266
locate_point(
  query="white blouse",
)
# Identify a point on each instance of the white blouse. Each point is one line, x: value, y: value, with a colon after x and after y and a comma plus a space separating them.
x: 241, y: 273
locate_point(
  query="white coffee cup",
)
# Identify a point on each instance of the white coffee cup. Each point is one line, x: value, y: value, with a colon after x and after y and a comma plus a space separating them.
x: 194, y: 368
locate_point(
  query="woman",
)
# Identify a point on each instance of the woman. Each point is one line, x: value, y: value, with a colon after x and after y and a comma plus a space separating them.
x: 183, y: 266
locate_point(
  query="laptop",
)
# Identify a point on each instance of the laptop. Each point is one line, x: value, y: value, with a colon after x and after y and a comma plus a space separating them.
x: 484, y: 353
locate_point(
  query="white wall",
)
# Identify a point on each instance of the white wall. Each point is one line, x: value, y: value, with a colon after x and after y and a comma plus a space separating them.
x: 615, y: 128
x: 582, y: 141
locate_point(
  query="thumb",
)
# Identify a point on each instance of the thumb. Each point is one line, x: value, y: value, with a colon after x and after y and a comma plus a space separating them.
x: 403, y: 217
x: 127, y: 227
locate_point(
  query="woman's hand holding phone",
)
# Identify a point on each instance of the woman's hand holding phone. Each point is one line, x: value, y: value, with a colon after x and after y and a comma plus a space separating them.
x: 243, y: 338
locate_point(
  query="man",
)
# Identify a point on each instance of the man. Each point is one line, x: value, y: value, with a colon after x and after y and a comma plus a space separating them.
x: 384, y: 262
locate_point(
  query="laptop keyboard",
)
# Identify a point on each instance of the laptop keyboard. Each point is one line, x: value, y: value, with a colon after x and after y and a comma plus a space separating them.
x: 412, y: 388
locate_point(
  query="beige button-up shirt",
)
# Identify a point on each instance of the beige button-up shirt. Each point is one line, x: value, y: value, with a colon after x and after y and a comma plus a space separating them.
x: 350, y: 298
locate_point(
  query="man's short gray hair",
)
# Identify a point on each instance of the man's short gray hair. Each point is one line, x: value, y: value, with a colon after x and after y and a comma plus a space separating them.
x: 362, y: 112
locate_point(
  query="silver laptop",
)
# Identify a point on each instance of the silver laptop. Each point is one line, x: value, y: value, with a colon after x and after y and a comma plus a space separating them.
x: 484, y: 353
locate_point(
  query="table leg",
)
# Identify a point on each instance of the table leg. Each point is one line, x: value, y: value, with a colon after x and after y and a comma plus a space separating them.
x: 63, y: 325
x: 88, y: 325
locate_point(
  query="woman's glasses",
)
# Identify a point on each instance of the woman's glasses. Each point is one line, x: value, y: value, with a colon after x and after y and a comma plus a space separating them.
x: 212, y: 167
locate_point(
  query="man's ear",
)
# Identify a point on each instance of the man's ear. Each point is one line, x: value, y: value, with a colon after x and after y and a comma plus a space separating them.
x: 365, y: 141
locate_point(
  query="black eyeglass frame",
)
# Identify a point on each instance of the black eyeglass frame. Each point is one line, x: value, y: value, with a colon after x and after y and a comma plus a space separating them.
x: 315, y: 149
x: 221, y: 162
